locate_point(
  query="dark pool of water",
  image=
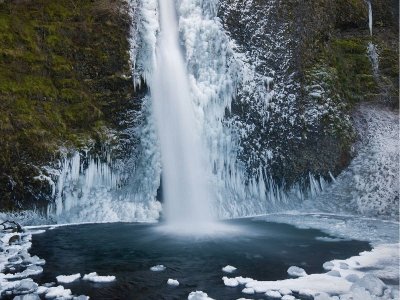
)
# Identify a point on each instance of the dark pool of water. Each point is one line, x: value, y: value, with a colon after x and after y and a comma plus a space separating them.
x: 261, y: 250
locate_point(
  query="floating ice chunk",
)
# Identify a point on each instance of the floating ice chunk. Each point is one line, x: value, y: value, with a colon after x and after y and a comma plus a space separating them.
x: 34, y: 260
x: 372, y: 284
x: 229, y: 269
x: 27, y: 297
x: 288, y: 297
x: 244, y: 280
x: 173, y: 282
x: 244, y: 299
x: 296, y: 271
x: 93, y: 277
x: 49, y: 284
x: 273, y: 294
x: 25, y: 286
x: 232, y: 282
x: 158, y: 268
x: 307, y: 292
x: 68, y: 278
x: 333, y: 273
x: 249, y: 291
x: 58, y: 292
x: 42, y: 290
x: 285, y: 291
x: 328, y: 265
x: 81, y: 297
x: 313, y: 282
x: 352, y: 277
x: 199, y: 295
x: 29, y: 271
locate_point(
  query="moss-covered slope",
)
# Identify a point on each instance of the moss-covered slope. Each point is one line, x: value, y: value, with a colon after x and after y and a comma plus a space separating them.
x: 64, y: 79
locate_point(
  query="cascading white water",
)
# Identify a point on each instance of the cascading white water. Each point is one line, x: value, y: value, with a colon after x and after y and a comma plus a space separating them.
x: 185, y: 189
x: 369, y: 16
x: 190, y: 94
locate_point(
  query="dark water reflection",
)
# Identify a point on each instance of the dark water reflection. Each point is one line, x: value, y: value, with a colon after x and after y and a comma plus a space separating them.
x: 259, y: 250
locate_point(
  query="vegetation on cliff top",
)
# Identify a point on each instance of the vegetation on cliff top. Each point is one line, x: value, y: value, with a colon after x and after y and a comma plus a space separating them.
x: 64, y: 78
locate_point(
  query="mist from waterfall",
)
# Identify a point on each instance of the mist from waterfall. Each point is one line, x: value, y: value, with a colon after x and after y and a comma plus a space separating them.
x: 184, y: 177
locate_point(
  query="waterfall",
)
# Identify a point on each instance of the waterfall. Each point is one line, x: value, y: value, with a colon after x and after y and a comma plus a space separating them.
x: 184, y: 175
x: 183, y: 131
x: 370, y: 16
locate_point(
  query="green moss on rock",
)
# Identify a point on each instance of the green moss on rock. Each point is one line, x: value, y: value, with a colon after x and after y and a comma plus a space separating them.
x: 55, y: 57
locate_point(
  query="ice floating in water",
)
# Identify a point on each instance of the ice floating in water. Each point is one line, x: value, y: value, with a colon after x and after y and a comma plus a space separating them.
x: 42, y: 290
x: 81, y: 297
x: 58, y: 292
x: 68, y: 278
x: 27, y: 297
x: 232, y: 282
x: 273, y: 294
x: 173, y: 282
x: 158, y: 268
x: 243, y: 280
x: 285, y: 291
x: 248, y: 291
x: 25, y: 286
x: 296, y: 271
x: 229, y: 269
x: 93, y: 277
x: 199, y: 295
x: 29, y: 271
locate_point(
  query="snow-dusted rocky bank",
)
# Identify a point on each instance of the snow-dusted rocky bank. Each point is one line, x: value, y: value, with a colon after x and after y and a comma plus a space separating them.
x: 358, y: 277
x: 18, y: 269
x: 370, y: 275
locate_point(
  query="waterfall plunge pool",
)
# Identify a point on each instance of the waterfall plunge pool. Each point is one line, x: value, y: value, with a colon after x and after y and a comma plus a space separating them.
x: 258, y: 249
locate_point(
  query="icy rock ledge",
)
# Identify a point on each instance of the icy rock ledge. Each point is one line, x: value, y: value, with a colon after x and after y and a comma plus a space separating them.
x: 68, y: 278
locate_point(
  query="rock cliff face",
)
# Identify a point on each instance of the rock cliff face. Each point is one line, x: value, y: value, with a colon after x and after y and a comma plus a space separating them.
x: 314, y: 57
x: 65, y: 83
